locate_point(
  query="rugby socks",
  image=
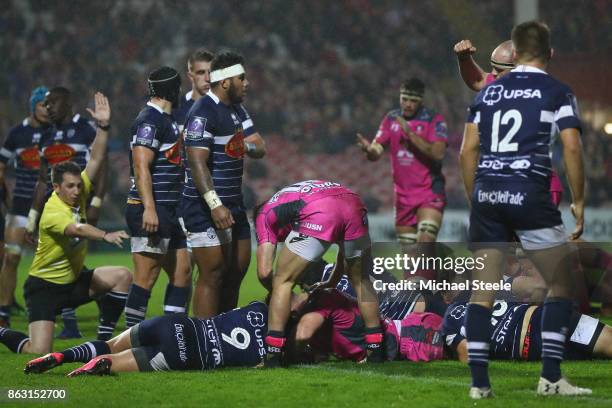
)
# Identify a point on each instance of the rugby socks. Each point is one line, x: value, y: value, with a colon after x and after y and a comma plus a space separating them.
x: 111, y: 305
x: 275, y: 341
x: 556, y: 314
x: 478, y: 333
x: 175, y: 299
x: 136, y: 305
x: 5, y: 315
x: 70, y: 320
x: 374, y: 344
x: 85, y: 351
x: 13, y: 339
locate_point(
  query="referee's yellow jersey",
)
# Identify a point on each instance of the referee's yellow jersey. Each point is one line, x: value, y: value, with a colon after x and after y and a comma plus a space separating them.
x: 59, y: 259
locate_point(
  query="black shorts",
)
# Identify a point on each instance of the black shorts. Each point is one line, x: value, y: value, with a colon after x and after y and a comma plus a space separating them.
x: 167, y: 343
x: 169, y: 235
x: 45, y: 300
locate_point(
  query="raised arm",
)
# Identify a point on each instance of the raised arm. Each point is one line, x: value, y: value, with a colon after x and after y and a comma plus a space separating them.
x: 101, y: 114
x: 471, y: 73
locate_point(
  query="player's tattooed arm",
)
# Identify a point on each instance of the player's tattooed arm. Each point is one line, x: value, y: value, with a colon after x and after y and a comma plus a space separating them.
x: 198, y: 157
x: 434, y: 150
x: 471, y: 73
x: 574, y: 167
x: 372, y: 150
x: 469, y: 156
x: 255, y: 146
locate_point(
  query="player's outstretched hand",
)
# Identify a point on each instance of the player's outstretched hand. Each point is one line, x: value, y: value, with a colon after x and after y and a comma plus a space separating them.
x: 222, y: 217
x: 578, y: 213
x: 362, y: 142
x: 116, y: 238
x: 464, y: 49
x: 102, y: 111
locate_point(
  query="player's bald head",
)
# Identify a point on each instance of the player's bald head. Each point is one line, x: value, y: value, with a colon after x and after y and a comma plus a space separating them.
x: 503, y: 53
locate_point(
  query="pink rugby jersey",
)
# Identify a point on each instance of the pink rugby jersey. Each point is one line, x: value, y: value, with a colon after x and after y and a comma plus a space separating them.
x: 322, y: 209
x: 413, y: 171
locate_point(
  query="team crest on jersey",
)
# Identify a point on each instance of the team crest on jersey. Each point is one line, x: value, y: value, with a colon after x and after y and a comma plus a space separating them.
x: 30, y: 158
x: 195, y: 128
x: 58, y: 153
x: 493, y: 94
x: 145, y: 134
x: 71, y: 133
x: 36, y: 138
x: 256, y: 319
x: 235, y: 147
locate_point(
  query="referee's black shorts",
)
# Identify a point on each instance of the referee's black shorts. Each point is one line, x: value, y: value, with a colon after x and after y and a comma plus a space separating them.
x: 45, y: 300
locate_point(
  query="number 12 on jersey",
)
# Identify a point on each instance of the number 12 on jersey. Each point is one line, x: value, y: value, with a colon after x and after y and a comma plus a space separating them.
x: 505, y: 144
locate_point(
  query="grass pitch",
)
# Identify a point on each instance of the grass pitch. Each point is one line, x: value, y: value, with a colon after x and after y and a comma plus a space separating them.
x: 397, y: 384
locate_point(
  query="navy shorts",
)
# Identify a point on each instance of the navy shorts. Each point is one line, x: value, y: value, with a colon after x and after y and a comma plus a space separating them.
x: 167, y: 343
x: 21, y: 206
x: 169, y: 235
x: 501, y: 210
x: 199, y: 226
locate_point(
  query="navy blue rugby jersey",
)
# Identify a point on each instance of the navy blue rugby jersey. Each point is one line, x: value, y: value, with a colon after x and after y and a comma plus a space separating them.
x: 158, y: 131
x: 221, y: 128
x: 517, y: 116
x: 68, y: 141
x: 180, y: 113
x: 506, y: 320
x: 235, y: 338
x: 22, y: 146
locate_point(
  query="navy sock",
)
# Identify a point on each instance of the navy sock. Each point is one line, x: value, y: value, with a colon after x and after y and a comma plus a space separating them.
x: 5, y: 313
x: 136, y: 305
x: 478, y: 333
x: 70, y: 319
x: 86, y: 351
x: 556, y: 314
x: 175, y: 299
x: 13, y: 339
x: 111, y: 305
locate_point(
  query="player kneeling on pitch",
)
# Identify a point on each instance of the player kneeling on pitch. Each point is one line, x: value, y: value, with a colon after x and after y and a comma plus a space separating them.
x: 310, y: 216
x: 57, y: 277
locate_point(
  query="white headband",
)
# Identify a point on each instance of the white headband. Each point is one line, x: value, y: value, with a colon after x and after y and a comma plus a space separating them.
x: 221, y: 74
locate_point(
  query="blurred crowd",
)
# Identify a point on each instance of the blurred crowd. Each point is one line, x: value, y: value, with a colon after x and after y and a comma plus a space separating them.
x: 319, y: 70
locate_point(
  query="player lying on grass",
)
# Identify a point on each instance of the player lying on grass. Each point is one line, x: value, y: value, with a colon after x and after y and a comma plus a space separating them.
x: 516, y: 333
x: 173, y: 342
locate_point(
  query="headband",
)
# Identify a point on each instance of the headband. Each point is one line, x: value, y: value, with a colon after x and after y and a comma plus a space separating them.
x: 231, y: 71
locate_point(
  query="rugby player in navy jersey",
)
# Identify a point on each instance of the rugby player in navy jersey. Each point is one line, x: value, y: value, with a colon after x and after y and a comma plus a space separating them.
x: 506, y: 169
x: 20, y: 147
x: 157, y: 239
x: 69, y: 137
x: 173, y: 342
x: 218, y: 134
x: 198, y: 72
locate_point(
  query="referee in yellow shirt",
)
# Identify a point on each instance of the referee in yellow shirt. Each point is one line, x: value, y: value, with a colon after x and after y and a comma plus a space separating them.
x: 57, y: 277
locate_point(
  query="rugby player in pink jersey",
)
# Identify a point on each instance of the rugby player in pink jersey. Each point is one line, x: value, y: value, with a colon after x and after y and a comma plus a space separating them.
x: 310, y: 216
x: 416, y: 138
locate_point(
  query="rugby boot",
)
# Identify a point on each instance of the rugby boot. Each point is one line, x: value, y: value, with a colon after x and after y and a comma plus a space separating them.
x: 44, y: 363
x: 96, y: 366
x: 561, y: 387
x: 481, y: 393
